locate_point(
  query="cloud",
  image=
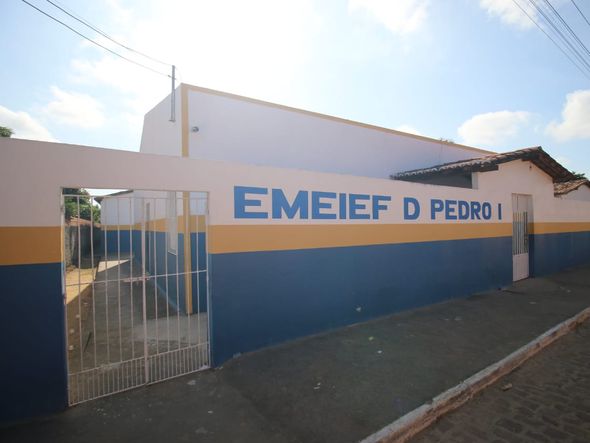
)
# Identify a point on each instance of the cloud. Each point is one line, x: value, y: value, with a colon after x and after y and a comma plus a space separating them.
x: 575, y: 116
x: 24, y: 126
x: 74, y: 109
x: 256, y: 48
x: 408, y: 129
x: 492, y: 128
x: 399, y: 16
x: 509, y: 13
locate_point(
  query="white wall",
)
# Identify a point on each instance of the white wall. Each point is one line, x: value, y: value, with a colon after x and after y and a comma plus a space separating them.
x: 582, y: 193
x: 522, y: 177
x: 519, y: 177
x: 160, y: 135
x: 55, y: 165
x: 238, y: 129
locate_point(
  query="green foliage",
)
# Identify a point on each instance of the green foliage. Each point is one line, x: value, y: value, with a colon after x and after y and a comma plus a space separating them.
x: 579, y: 175
x: 5, y: 132
x: 86, y: 210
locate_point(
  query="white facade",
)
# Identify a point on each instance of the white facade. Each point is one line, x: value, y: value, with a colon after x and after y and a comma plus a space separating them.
x: 217, y: 126
x: 582, y: 193
x: 160, y: 135
x: 218, y: 179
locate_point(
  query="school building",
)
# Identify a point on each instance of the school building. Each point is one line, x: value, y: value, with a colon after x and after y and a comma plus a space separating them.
x: 243, y: 224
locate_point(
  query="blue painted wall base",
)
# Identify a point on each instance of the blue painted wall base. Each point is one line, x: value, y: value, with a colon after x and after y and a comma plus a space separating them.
x: 264, y: 298
x: 553, y: 252
x: 33, y: 371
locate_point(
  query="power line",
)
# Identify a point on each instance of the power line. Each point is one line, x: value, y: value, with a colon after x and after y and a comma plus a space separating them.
x: 581, y: 13
x: 104, y: 34
x: 558, y: 31
x: 94, y: 42
x: 569, y: 29
x: 551, y: 38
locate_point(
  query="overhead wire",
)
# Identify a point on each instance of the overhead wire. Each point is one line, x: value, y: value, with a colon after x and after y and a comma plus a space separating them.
x: 104, y: 34
x: 581, y: 13
x: 95, y: 42
x: 559, y: 32
x: 565, y: 24
x: 586, y: 74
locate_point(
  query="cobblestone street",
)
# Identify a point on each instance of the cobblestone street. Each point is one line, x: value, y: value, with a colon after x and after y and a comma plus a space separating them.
x: 546, y: 400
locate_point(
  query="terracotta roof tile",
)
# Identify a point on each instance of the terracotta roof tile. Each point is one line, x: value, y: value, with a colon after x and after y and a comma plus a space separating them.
x: 535, y: 155
x: 567, y: 187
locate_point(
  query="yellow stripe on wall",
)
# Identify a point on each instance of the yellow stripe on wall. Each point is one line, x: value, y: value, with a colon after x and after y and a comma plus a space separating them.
x: 21, y: 245
x: 24, y: 245
x: 251, y: 238
x: 560, y: 227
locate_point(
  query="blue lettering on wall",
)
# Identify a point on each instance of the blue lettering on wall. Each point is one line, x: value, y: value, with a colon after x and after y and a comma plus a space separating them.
x: 411, y: 208
x: 354, y: 206
x: 475, y: 208
x: 318, y: 203
x: 450, y: 208
x: 486, y: 210
x: 463, y: 210
x: 241, y: 202
x: 342, y: 206
x: 459, y: 210
x: 379, y: 207
x: 280, y: 204
x: 436, y: 205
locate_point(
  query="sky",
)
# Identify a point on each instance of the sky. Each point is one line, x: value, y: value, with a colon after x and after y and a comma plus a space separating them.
x: 477, y: 72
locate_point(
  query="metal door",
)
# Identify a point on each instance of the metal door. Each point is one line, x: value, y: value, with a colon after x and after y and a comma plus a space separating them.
x: 521, y: 217
x: 135, y: 289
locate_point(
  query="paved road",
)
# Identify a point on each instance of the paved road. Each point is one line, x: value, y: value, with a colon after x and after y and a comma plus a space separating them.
x: 549, y: 401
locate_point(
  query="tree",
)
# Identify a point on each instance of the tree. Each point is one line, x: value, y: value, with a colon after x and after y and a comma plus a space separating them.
x: 85, y: 205
x: 579, y: 175
x: 5, y: 132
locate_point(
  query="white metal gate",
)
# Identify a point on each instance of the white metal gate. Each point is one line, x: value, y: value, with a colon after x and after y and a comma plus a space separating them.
x: 135, y: 289
x: 521, y: 217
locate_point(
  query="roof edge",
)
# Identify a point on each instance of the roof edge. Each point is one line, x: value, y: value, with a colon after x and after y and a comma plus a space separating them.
x: 564, y: 188
x: 332, y: 118
x: 536, y: 155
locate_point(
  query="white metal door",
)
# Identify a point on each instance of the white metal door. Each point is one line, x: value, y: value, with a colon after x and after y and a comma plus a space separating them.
x: 521, y: 217
x: 136, y: 301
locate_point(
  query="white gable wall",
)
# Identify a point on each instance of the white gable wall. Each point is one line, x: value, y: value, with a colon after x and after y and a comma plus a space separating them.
x: 160, y: 135
x: 248, y: 131
x: 518, y: 177
x: 582, y: 193
x: 523, y: 177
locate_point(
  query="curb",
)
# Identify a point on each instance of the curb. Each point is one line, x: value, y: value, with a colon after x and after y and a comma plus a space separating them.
x: 406, y: 427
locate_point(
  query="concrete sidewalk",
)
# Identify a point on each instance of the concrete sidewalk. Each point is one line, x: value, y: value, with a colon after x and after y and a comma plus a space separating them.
x: 337, y: 387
